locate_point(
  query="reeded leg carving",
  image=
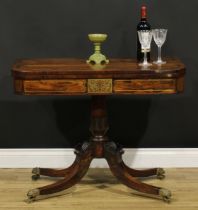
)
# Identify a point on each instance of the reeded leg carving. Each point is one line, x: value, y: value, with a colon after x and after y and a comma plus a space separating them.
x: 114, y: 159
x: 77, y: 171
x: 37, y: 172
x: 159, y: 172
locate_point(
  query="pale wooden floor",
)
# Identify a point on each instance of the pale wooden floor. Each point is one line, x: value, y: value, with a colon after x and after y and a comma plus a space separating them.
x: 99, y: 190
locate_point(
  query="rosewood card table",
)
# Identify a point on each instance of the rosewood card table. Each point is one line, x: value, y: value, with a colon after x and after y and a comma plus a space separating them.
x: 76, y: 77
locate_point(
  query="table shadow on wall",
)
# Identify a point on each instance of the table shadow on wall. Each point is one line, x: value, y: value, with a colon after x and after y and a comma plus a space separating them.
x: 64, y: 122
x: 128, y: 118
x: 72, y: 118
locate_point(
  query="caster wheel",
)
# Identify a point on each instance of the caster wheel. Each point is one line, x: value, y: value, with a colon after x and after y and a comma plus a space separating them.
x: 167, y: 199
x: 36, y: 174
x: 35, y: 177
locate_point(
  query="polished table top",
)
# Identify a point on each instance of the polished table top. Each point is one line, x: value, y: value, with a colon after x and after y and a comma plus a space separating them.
x: 66, y: 76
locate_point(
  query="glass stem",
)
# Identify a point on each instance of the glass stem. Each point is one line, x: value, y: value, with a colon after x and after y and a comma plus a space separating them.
x: 159, y: 54
x: 145, y: 58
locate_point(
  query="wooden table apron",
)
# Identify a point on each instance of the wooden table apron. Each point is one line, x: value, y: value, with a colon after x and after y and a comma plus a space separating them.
x: 75, y: 77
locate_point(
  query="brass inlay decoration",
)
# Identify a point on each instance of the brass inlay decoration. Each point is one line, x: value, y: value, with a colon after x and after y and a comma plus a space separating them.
x: 99, y: 86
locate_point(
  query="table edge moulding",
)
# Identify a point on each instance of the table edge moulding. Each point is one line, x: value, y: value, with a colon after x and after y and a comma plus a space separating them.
x: 70, y: 76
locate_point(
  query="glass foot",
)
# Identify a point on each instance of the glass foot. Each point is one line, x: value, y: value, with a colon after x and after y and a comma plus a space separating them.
x: 159, y: 62
x: 145, y: 65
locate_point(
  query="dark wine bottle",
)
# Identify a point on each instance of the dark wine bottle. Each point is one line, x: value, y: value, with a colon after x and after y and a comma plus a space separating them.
x: 142, y: 25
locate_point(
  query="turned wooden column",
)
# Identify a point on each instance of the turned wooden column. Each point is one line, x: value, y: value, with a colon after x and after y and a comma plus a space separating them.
x: 99, y: 122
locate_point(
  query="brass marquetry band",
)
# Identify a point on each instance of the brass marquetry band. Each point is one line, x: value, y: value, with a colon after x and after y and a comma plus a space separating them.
x: 100, y: 86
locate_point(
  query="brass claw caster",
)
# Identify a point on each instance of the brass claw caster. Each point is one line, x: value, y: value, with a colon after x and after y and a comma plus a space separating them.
x: 165, y: 195
x: 160, y: 173
x: 35, y: 195
x: 36, y: 174
x: 32, y: 194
